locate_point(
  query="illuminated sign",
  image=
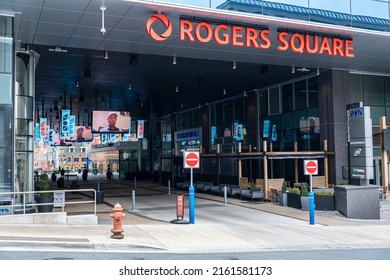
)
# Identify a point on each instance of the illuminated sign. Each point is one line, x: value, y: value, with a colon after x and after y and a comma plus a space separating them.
x: 42, y: 127
x: 140, y: 131
x: 249, y: 37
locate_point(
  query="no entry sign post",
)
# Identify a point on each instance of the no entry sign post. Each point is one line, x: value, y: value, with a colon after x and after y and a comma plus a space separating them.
x: 191, y: 160
x: 310, y: 167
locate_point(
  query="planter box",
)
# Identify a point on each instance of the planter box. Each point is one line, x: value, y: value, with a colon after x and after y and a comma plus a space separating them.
x: 294, y: 200
x: 305, y: 203
x: 283, y: 199
x: 48, y: 204
x: 324, y: 202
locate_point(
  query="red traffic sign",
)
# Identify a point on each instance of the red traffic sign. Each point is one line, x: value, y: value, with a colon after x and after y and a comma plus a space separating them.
x: 191, y: 159
x: 310, y: 167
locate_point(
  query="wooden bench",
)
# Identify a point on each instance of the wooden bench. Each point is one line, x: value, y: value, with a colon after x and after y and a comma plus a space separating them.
x: 318, y: 182
x: 274, y: 187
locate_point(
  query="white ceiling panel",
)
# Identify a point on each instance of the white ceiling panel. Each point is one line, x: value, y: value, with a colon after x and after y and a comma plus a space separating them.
x: 116, y: 46
x: 38, y: 3
x: 50, y: 40
x: 28, y: 26
x: 89, y: 19
x: 82, y: 42
x: 90, y: 32
x: 113, y: 8
x: 25, y: 37
x: 79, y: 6
x: 54, y: 28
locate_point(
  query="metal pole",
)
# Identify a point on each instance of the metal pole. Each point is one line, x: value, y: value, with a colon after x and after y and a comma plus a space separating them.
x: 169, y: 186
x: 311, y: 201
x: 133, y: 200
x: 191, y: 198
x: 225, y: 195
x: 135, y: 182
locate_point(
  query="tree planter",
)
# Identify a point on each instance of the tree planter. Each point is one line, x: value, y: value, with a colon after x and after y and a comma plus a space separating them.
x: 60, y: 183
x: 294, y: 200
x: 283, y: 199
x: 305, y: 203
x: 45, y: 208
x: 324, y: 202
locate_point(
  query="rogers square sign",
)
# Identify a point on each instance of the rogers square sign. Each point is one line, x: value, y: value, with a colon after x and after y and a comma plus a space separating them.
x: 250, y: 37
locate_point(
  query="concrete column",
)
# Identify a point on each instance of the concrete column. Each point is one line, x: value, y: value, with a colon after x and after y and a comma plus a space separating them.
x: 334, y: 94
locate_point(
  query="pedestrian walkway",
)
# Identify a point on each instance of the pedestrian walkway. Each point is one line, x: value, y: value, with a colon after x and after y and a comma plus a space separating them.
x: 236, y: 226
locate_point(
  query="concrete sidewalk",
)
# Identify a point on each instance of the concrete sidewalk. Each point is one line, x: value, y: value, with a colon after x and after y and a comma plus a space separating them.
x: 237, y: 226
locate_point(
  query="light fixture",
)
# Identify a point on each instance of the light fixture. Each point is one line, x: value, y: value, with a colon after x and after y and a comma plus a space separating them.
x: 103, y: 30
x: 303, y: 69
x: 57, y: 49
x: 174, y: 60
x: 77, y: 83
x: 234, y: 65
x: 293, y: 70
x: 224, y: 91
x: 105, y: 54
x: 245, y: 95
x: 177, y: 88
x: 129, y: 86
x: 182, y: 105
x: 318, y: 71
x: 142, y: 104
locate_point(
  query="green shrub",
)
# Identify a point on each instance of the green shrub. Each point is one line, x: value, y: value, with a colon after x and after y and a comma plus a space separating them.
x: 296, y: 191
x: 328, y: 193
x: 284, y: 186
x: 304, y: 191
x: 44, y: 185
x: 44, y: 177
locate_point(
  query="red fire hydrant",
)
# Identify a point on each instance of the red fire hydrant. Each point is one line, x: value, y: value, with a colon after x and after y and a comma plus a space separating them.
x: 117, y: 215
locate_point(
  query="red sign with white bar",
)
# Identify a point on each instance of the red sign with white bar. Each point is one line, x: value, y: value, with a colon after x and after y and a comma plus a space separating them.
x: 180, y: 207
x: 191, y: 159
x: 310, y: 167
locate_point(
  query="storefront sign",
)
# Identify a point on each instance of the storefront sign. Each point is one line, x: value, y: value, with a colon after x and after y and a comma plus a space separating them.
x: 249, y: 37
x: 140, y: 130
x: 42, y: 127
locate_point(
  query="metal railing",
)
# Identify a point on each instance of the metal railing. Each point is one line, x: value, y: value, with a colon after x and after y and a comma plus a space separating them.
x: 59, y: 199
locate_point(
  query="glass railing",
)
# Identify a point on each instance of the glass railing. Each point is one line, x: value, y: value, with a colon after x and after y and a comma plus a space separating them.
x: 366, y: 14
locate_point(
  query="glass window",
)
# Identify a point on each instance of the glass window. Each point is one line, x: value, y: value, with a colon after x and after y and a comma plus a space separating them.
x: 213, y: 120
x: 274, y: 101
x: 219, y: 113
x: 373, y: 89
x: 356, y: 88
x: 313, y: 92
x: 239, y: 108
x: 287, y: 120
x: 196, y: 118
x: 228, y: 111
x: 263, y: 103
x: 376, y: 113
x: 300, y: 95
x: 287, y: 98
x: 387, y: 90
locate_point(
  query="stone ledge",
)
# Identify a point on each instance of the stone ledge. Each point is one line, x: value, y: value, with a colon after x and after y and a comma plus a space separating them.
x: 59, y: 218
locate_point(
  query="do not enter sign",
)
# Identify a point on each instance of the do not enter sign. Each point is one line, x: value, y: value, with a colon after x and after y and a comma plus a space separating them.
x: 191, y: 159
x: 310, y: 167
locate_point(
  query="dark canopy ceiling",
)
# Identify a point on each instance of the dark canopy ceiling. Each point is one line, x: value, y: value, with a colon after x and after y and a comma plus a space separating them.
x: 202, y: 71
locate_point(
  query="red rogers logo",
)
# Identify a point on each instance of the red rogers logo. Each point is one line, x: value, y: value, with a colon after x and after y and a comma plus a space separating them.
x: 165, y: 21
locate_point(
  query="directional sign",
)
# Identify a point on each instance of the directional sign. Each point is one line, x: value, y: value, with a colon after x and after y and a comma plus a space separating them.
x: 191, y: 159
x: 310, y: 167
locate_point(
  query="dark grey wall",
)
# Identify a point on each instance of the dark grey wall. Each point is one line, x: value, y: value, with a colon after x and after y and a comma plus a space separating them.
x: 334, y: 91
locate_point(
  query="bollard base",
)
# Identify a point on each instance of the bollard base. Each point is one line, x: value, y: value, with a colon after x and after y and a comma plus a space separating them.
x: 179, y: 221
x: 117, y: 235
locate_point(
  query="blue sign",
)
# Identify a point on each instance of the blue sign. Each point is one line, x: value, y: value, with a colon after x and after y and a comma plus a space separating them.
x: 266, y: 128
x: 274, y: 136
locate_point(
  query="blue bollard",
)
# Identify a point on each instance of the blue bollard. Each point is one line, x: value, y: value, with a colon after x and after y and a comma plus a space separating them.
x: 191, y: 202
x: 311, y: 207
